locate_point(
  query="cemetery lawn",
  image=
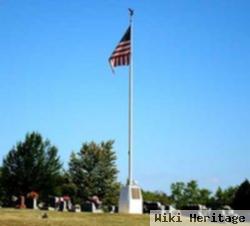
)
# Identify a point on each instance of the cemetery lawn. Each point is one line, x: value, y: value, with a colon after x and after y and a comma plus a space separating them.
x: 15, y: 217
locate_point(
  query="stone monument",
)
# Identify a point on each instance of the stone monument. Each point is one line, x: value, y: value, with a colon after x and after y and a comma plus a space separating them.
x: 130, y: 200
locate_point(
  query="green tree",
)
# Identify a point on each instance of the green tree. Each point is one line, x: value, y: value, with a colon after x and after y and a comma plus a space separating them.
x: 189, y: 193
x: 192, y: 192
x: 178, y: 194
x: 68, y: 187
x: 222, y: 197
x: 31, y: 165
x: 241, y: 199
x: 94, y: 171
x: 204, y: 196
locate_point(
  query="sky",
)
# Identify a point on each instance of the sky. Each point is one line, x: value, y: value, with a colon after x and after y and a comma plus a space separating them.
x: 191, y: 84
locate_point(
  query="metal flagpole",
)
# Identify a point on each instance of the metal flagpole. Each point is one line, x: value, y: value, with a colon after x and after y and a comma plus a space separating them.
x: 130, y: 200
x: 130, y: 107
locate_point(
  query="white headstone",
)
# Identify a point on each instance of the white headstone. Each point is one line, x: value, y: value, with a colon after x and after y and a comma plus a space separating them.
x: 35, y: 204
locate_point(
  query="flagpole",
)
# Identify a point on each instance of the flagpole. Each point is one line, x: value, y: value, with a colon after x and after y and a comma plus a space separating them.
x: 130, y: 113
x: 128, y: 203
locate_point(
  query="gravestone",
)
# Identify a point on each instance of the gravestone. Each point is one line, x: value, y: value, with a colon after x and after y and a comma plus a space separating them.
x: 31, y: 201
x: 62, y: 204
x: 77, y: 208
x: 68, y: 203
x: 21, y: 202
x: 112, y: 209
x: 14, y: 200
x: 54, y: 203
x: 95, y: 199
x: 89, y: 207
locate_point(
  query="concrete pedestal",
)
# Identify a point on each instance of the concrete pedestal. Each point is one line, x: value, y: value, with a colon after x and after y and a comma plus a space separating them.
x: 130, y: 200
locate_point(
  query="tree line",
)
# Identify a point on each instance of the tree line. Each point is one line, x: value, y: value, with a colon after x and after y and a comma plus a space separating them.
x: 184, y: 194
x: 34, y: 165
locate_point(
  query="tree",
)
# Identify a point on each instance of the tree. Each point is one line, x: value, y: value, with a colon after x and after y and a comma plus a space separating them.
x: 241, y: 199
x: 189, y: 193
x: 32, y: 165
x: 192, y: 192
x: 68, y: 187
x: 94, y: 171
x: 223, y: 197
x: 178, y: 195
x: 204, y: 196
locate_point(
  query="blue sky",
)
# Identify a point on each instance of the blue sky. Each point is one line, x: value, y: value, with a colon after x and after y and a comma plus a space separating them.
x: 192, y: 84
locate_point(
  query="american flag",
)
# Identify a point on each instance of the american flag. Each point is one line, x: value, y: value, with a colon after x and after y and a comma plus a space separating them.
x: 121, y: 54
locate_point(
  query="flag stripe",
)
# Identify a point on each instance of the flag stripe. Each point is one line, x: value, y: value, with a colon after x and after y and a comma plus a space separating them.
x: 124, y: 52
x: 120, y: 49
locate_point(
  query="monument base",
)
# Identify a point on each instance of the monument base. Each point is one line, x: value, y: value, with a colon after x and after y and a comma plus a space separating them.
x: 130, y: 200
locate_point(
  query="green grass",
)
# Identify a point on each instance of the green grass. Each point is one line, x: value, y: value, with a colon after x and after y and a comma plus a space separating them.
x: 14, y: 217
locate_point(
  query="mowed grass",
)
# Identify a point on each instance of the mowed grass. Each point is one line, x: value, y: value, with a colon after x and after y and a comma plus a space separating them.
x: 15, y: 217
